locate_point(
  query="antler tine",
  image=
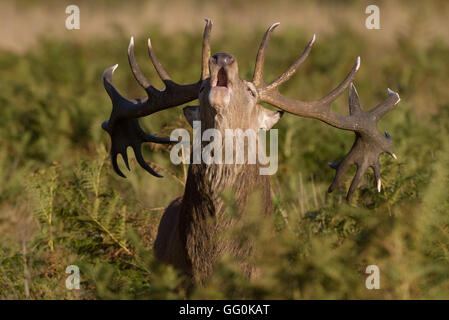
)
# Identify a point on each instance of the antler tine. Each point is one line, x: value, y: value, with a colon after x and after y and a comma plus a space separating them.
x: 107, y: 82
x: 258, y: 69
x: 388, y: 104
x: 144, y: 83
x: 331, y: 96
x: 353, y: 99
x: 157, y: 65
x: 141, y: 161
x: 206, y: 50
x: 294, y: 67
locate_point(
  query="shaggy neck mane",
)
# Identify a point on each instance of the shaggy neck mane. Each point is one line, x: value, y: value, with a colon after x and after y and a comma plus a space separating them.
x: 202, y: 211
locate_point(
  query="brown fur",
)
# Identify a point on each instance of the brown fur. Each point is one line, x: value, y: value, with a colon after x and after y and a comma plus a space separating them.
x: 190, y: 229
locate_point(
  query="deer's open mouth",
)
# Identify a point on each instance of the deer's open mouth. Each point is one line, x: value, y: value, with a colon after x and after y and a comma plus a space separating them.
x: 220, y: 93
x: 221, y: 79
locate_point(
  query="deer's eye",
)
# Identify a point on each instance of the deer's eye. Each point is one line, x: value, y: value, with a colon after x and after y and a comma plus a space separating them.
x: 251, y: 91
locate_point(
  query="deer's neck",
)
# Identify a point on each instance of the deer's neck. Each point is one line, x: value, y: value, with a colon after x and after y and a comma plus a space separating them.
x: 202, y: 216
x: 206, y: 184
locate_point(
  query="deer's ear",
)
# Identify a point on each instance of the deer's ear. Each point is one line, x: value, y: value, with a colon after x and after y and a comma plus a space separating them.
x: 192, y: 113
x: 268, y: 118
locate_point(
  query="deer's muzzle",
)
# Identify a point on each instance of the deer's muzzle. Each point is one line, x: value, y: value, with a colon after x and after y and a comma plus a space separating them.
x: 222, y: 69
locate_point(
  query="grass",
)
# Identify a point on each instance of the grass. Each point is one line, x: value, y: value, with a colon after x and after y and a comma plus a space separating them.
x: 61, y: 203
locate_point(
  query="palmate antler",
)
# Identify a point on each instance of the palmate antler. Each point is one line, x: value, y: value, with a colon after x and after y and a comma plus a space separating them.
x: 369, y: 142
x: 123, y: 125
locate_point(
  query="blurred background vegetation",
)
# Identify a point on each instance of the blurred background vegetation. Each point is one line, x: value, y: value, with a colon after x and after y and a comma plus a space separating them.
x: 61, y: 203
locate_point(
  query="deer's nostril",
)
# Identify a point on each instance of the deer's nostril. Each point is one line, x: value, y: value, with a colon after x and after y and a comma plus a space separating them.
x: 222, y: 59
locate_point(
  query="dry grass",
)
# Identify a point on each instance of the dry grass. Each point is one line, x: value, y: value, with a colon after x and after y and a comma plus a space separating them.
x: 22, y: 23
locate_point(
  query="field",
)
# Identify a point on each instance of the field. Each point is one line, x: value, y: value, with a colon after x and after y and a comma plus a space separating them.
x: 61, y: 203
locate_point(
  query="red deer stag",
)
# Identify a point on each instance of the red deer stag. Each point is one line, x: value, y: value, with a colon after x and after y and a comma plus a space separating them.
x: 191, y: 225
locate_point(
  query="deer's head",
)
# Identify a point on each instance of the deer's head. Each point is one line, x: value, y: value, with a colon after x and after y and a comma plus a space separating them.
x: 226, y: 100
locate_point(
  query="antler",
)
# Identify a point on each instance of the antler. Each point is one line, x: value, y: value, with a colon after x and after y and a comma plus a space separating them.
x: 123, y: 125
x: 319, y: 109
x: 369, y: 143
